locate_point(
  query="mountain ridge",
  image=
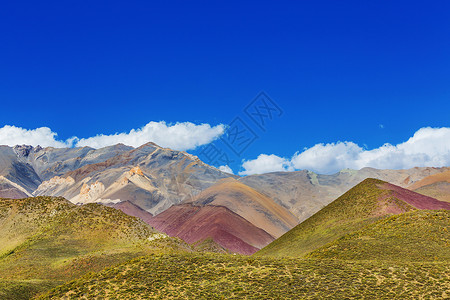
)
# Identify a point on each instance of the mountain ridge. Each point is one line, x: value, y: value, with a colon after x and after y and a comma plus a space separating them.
x: 172, y: 175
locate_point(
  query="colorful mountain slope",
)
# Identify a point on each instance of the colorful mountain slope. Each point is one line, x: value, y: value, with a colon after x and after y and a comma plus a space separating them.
x: 436, y: 186
x: 439, y: 177
x: 419, y: 235
x: 417, y: 200
x: 253, y: 206
x: 438, y: 190
x: 196, y: 223
x: 132, y: 209
x: 362, y: 205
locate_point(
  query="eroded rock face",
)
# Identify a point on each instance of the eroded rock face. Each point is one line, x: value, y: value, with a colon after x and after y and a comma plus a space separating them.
x: 16, y: 169
x: 136, y: 171
x: 55, y: 182
x: 89, y: 193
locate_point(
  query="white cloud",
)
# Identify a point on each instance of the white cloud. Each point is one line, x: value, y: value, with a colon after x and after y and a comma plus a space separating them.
x: 427, y: 147
x: 326, y: 158
x: 12, y: 135
x: 179, y: 136
x: 226, y: 169
x: 265, y: 164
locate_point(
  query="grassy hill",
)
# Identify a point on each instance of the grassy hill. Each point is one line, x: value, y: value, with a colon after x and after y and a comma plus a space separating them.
x: 195, y: 276
x: 355, y: 209
x: 364, y: 204
x: 209, y: 245
x: 414, y: 236
x: 46, y: 241
x: 21, y: 219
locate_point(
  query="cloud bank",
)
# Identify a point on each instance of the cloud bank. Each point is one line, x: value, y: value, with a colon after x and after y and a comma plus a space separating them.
x: 44, y: 136
x: 427, y: 147
x: 265, y: 164
x: 179, y: 136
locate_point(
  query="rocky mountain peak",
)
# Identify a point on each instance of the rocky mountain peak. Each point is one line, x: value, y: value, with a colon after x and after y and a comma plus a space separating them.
x: 23, y: 150
x: 149, y: 144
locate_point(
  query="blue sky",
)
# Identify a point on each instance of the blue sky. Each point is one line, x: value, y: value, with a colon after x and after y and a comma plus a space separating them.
x: 366, y: 73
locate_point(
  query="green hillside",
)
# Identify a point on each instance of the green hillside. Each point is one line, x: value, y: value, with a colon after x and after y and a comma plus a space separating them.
x: 196, y: 276
x: 208, y: 245
x: 47, y: 241
x: 21, y: 219
x: 414, y: 236
x: 355, y: 209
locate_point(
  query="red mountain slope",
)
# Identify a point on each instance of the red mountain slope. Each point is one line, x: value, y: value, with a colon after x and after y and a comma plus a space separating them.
x: 197, y: 223
x: 414, y: 199
x: 253, y: 206
x: 131, y: 209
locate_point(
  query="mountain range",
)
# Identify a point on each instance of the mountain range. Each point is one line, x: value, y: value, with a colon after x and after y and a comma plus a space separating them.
x: 158, y: 184
x: 150, y: 176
